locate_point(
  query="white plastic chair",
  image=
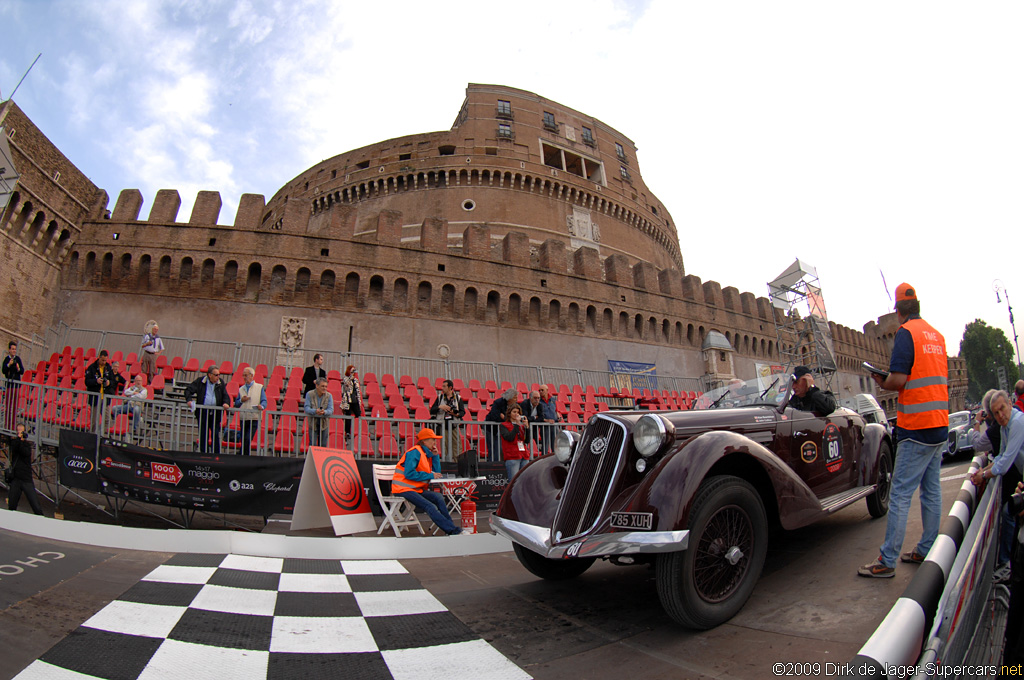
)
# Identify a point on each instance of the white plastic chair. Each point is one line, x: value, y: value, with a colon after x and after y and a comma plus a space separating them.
x: 398, y: 512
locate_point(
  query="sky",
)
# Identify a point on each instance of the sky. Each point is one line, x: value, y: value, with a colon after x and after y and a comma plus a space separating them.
x: 869, y: 139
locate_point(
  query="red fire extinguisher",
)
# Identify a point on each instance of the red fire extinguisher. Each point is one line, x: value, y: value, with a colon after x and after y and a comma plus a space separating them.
x: 468, y: 511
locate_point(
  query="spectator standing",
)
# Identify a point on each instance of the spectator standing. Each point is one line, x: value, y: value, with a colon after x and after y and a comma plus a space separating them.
x: 351, y: 398
x: 513, y: 440
x: 152, y: 347
x: 136, y: 395
x: 534, y: 412
x: 13, y: 369
x: 251, y: 402
x: 448, y: 408
x: 118, y: 379
x: 20, y: 453
x: 550, y: 418
x: 497, y: 414
x: 319, y: 407
x: 100, y: 380
x: 1008, y: 464
x: 918, y: 372
x: 313, y: 373
x: 206, y: 396
x: 412, y: 476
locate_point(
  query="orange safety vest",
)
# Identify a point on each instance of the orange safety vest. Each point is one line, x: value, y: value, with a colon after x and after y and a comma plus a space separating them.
x: 400, y: 483
x: 924, y: 400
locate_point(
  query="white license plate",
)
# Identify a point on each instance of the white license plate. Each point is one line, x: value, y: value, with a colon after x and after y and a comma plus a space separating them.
x: 633, y: 520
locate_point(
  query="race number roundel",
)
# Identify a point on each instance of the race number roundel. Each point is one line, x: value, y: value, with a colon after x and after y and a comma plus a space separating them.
x: 833, y: 445
x: 341, y: 483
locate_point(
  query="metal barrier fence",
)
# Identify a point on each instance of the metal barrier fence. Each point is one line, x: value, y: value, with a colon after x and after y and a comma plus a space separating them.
x: 175, y: 426
x: 950, y: 614
x: 378, y: 364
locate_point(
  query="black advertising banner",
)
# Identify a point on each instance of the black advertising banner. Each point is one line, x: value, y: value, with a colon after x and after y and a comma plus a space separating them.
x: 76, y: 460
x: 244, y: 485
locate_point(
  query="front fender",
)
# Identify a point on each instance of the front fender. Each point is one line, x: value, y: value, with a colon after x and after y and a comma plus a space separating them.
x: 867, y: 466
x: 670, y: 488
x: 532, y: 497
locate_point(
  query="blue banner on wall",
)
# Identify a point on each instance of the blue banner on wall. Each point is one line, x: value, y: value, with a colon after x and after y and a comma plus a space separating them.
x: 629, y: 375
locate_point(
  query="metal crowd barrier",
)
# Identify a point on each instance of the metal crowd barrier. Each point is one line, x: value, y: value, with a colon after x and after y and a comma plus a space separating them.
x: 950, y: 614
x: 173, y: 426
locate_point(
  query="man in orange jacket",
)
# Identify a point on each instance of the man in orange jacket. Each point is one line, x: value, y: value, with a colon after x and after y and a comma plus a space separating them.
x: 918, y: 372
x: 411, y: 480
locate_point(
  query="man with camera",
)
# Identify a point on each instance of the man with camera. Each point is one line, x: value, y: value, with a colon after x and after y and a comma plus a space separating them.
x: 448, y: 407
x: 101, y: 381
x: 19, y: 476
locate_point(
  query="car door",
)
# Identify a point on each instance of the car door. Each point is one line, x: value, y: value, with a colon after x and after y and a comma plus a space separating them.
x: 820, y: 452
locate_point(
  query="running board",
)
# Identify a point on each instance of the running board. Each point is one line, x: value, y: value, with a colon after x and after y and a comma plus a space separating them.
x: 841, y: 500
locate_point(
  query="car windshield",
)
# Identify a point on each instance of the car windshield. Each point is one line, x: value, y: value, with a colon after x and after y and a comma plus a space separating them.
x: 767, y: 390
x: 959, y: 419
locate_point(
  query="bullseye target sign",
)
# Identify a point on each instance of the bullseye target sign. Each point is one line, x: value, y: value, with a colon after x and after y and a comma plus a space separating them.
x: 331, y: 493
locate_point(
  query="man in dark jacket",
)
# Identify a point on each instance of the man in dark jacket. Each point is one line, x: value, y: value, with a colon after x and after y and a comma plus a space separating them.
x: 807, y: 397
x: 13, y: 369
x: 206, y: 396
x: 312, y: 374
x: 448, y: 408
x: 20, y: 455
x: 100, y: 380
x: 499, y: 407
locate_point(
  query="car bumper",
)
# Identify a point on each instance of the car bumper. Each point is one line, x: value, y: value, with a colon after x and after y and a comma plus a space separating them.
x: 538, y: 539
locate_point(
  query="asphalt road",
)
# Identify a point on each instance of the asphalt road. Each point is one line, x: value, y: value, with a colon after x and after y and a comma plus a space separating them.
x: 809, y: 606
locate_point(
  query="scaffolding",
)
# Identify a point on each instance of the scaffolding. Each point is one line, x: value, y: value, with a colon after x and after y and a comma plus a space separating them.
x: 802, y: 332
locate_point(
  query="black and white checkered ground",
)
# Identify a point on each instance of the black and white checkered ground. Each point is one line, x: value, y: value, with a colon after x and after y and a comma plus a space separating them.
x: 216, y: 616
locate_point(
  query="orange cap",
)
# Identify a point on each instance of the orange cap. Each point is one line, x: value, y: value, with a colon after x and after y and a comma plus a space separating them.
x: 905, y: 291
x: 426, y: 433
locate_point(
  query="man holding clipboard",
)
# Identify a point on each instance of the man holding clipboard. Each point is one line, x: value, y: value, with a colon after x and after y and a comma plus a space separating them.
x: 918, y: 373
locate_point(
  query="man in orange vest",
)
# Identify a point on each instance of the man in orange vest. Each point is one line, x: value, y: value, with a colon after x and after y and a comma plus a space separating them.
x: 411, y: 480
x: 918, y: 372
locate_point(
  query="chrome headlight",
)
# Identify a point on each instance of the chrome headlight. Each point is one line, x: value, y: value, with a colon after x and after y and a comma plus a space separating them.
x: 651, y: 433
x: 565, y: 444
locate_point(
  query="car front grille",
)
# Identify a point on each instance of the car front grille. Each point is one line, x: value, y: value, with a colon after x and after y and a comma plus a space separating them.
x: 590, y: 477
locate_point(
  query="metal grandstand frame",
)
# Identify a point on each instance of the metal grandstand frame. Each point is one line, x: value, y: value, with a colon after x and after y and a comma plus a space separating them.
x: 803, y: 334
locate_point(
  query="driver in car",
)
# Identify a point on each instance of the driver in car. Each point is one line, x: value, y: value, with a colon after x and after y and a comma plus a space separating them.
x: 807, y: 397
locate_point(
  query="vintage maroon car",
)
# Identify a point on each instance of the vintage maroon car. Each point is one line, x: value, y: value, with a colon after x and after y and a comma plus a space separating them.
x: 692, y: 492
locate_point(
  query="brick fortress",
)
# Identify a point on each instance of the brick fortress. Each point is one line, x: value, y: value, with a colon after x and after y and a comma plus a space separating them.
x: 525, y: 234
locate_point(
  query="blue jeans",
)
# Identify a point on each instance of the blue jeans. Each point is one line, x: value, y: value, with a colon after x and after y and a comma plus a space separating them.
x: 917, y: 465
x: 513, y: 466
x: 432, y: 503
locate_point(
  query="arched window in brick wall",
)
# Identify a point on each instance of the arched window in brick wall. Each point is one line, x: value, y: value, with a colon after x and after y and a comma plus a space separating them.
x: 253, y: 282
x: 327, y: 291
x: 591, y: 326
x: 33, y: 232
x: 423, y: 294
x: 63, y: 241
x: 493, y: 306
x: 652, y: 329
x: 206, y: 275
x: 277, y: 278
x: 302, y: 284
x: 448, y: 301
x: 185, y: 273
x: 71, y: 275
x: 534, y: 314
x: 142, y: 278
x: 624, y: 329
x: 554, y: 314
x: 400, y: 299
x: 573, y: 318
x: 125, y: 271
x: 375, y: 296
x: 230, y: 278
x: 607, y: 322
x: 90, y: 267
x: 666, y: 331
x: 469, y: 303
x: 107, y: 269
x: 351, y: 289
x: 44, y: 242
x: 700, y: 335
x: 164, y: 273
x: 22, y: 220
x: 515, y: 309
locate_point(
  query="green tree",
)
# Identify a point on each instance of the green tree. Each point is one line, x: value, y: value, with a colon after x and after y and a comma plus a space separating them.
x: 984, y: 349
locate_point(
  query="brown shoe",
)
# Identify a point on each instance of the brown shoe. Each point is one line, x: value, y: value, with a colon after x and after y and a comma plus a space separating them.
x: 877, y: 570
x: 912, y: 557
